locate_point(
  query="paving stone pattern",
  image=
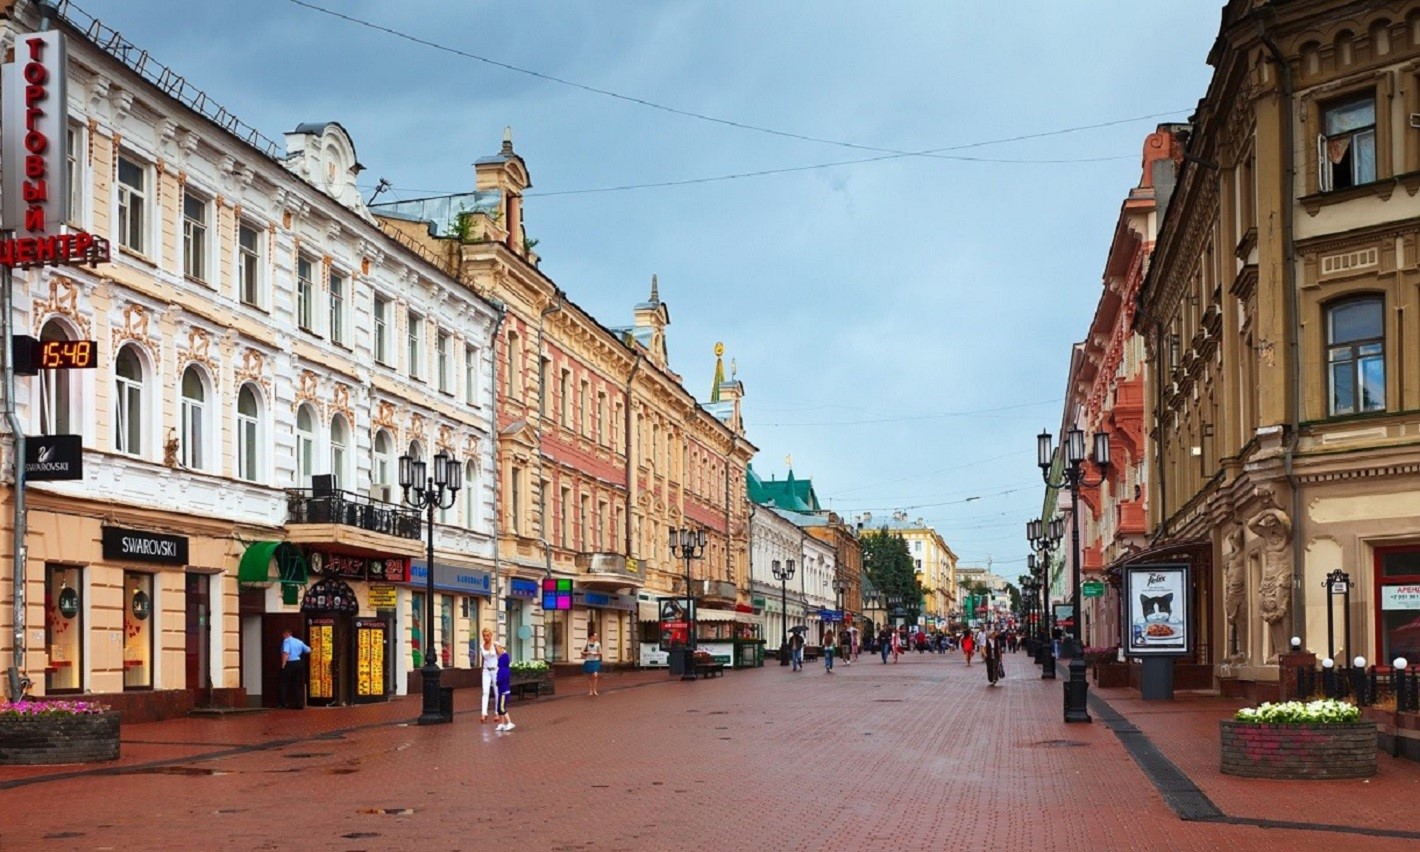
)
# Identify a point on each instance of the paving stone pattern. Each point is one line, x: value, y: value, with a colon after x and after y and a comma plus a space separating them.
x: 920, y: 754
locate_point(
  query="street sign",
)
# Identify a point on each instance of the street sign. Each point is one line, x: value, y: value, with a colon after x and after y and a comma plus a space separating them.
x: 1092, y: 588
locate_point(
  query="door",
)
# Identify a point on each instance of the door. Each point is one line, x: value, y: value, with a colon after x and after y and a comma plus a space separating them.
x: 198, y: 627
x: 272, y: 625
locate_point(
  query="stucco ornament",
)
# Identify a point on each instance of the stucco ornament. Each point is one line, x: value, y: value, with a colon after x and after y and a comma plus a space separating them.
x: 1275, y: 592
x: 1235, y: 589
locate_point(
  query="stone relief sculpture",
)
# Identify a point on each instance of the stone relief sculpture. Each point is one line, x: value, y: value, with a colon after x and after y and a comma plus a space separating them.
x: 1275, y: 592
x: 1235, y: 593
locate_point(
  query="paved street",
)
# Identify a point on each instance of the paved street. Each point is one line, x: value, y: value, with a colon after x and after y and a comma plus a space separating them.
x: 917, y: 755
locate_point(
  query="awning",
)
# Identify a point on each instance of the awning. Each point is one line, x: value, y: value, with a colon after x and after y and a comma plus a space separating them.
x: 720, y: 615
x: 259, y: 557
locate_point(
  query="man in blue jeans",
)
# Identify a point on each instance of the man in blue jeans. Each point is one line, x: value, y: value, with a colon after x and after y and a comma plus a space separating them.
x: 796, y: 650
x: 828, y: 649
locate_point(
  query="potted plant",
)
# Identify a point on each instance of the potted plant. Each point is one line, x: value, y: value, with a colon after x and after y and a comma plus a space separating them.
x: 1326, y: 738
x: 47, y: 732
x: 1106, y: 667
x: 532, y: 672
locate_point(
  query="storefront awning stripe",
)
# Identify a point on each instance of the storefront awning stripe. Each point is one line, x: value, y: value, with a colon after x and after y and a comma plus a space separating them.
x: 255, y: 565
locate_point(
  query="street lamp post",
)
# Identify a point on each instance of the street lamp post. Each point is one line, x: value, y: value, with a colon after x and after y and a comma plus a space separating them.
x: 1045, y: 538
x: 783, y: 573
x: 871, y: 600
x: 688, y: 544
x: 423, y: 493
x: 1077, y: 689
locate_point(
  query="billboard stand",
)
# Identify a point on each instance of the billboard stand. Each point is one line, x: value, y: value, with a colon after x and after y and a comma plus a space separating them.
x: 1157, y: 681
x: 1158, y: 623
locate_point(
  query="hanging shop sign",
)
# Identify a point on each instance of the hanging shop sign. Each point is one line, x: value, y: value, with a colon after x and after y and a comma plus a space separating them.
x: 68, y: 602
x: 120, y: 544
x: 520, y: 588
x: 1092, y: 588
x: 142, y: 605
x: 52, y: 458
x: 34, y: 157
x: 557, y: 593
x: 1156, y: 602
x: 383, y: 596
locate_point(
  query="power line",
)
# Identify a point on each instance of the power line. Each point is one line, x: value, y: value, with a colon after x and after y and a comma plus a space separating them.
x: 915, y: 417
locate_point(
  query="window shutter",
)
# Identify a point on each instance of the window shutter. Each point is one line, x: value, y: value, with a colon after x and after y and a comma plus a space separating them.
x: 1323, y: 165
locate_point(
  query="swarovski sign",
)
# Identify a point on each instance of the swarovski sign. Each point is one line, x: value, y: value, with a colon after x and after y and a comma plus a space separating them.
x: 54, y: 457
x: 125, y: 545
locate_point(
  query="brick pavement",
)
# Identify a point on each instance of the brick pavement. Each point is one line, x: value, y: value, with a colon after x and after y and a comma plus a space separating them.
x: 916, y: 755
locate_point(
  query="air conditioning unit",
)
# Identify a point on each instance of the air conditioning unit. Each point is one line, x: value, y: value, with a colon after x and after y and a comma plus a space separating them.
x: 381, y: 493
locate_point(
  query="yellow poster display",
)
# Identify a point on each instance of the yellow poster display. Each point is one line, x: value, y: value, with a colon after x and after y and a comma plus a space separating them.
x: 370, y: 658
x: 322, y: 640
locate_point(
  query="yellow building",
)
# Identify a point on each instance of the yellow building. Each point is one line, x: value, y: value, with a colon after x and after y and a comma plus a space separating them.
x: 933, y: 560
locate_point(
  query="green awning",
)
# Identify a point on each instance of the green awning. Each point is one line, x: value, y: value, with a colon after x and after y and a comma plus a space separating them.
x: 256, y: 563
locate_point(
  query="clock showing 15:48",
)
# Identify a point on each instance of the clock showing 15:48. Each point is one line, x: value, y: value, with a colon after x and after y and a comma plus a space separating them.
x: 33, y: 355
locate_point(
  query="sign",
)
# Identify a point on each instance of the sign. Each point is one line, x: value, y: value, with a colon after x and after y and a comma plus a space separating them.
x: 1156, y: 606
x: 674, y: 609
x: 142, y: 605
x: 1092, y: 588
x: 633, y: 565
x: 557, y: 593
x: 50, y: 458
x: 30, y: 355
x: 604, y: 600
x: 1400, y: 597
x: 392, y: 569
x: 321, y: 637
x: 451, y: 578
x: 140, y: 546
x: 370, y: 657
x: 34, y: 153
x: 520, y: 588
x: 1339, y: 587
x: 383, y: 597
x: 68, y: 602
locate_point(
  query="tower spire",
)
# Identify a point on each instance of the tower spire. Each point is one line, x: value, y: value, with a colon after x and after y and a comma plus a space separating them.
x: 719, y: 361
x: 655, y: 290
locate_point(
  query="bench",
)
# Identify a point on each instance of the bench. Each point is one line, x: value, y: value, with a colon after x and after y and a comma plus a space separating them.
x: 709, y: 669
x: 521, y: 688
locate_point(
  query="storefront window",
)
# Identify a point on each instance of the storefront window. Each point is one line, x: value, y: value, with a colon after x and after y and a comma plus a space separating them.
x: 469, y: 626
x: 446, y: 631
x: 63, y: 628
x: 137, y: 630
x: 1399, y: 582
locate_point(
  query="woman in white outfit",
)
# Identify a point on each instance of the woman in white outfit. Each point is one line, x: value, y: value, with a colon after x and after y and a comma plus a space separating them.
x: 488, y: 660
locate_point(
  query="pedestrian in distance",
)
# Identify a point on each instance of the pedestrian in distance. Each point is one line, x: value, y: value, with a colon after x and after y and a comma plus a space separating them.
x: 884, y: 644
x: 504, y: 681
x: 991, y: 656
x: 592, y: 662
x: 291, y: 679
x: 828, y: 650
x: 968, y: 646
x: 485, y: 653
x: 896, y: 646
x: 796, y: 650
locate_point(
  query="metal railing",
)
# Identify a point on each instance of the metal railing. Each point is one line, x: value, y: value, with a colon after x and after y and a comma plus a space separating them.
x: 1364, y: 686
x: 347, y: 508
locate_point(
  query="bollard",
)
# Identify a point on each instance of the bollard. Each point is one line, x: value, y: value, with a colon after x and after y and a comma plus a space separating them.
x: 1328, y: 678
x: 1358, y: 681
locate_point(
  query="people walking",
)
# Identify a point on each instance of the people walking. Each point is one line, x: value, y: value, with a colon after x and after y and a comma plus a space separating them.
x: 796, y: 649
x: 991, y: 656
x: 828, y: 649
x: 592, y: 662
x: 884, y: 643
x: 486, y: 654
x: 291, y: 679
x: 968, y: 646
x: 504, y: 682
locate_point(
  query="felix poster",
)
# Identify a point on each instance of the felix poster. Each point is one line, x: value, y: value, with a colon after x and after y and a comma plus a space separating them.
x: 1156, y: 609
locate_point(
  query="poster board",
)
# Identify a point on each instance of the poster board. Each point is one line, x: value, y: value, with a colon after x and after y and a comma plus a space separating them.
x: 1156, y: 609
x: 370, y: 659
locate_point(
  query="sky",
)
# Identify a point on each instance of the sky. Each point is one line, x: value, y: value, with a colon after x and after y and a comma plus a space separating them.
x: 901, y: 321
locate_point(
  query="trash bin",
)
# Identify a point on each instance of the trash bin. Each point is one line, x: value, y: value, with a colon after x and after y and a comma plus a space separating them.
x: 676, y: 660
x: 446, y: 703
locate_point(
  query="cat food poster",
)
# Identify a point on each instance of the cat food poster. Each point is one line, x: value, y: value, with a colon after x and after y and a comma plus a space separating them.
x: 1157, y: 602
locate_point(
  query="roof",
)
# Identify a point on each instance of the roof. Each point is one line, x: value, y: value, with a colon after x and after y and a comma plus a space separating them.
x: 794, y: 495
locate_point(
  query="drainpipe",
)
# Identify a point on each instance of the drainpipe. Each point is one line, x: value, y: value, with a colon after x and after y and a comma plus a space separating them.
x: 1294, y: 402
x: 16, y: 681
x: 630, y: 465
x: 499, y: 628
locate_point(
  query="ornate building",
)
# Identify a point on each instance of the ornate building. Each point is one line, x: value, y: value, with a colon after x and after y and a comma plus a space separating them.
x: 1280, y: 316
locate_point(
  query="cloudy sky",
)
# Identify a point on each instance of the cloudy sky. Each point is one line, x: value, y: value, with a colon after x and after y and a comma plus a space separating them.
x: 902, y: 322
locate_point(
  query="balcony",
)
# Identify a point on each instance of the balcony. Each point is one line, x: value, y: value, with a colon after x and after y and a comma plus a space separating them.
x: 607, y: 570
x: 1131, y: 518
x: 327, y: 516
x: 710, y: 591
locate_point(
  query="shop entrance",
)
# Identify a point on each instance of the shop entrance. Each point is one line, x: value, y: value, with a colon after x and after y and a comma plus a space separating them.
x: 348, y: 653
x: 197, y: 625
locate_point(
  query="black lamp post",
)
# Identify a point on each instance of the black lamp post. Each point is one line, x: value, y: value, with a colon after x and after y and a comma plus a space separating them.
x: 871, y: 600
x: 688, y: 544
x: 1045, y: 538
x: 783, y: 573
x: 894, y: 603
x: 1077, y: 689
x: 423, y: 493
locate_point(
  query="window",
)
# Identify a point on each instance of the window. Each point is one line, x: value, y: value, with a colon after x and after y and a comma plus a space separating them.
x: 515, y: 498
x: 441, y: 362
x: 383, y: 472
x: 128, y: 402
x: 565, y: 508
x: 58, y: 407
x: 339, y: 448
x: 194, y: 237
x: 515, y: 359
x: 601, y: 530
x: 1355, y: 355
x: 249, y: 265
x: 601, y: 418
x: 382, y: 330
x: 305, y: 292
x: 337, y: 309
x: 584, y: 390
x: 74, y: 214
x: 1347, y: 145
x: 137, y: 630
x: 63, y: 628
x: 470, y: 375
x: 132, y: 204
x: 470, y: 495
x: 305, y: 444
x: 248, y: 433
x: 584, y: 530
x: 416, y: 345
x: 194, y: 418
x: 564, y: 396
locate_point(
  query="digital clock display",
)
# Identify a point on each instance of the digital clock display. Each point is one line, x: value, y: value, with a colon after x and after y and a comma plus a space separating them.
x: 33, y: 355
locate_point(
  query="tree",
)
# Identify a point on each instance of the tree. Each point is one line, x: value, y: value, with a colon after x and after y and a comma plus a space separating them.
x: 890, y: 568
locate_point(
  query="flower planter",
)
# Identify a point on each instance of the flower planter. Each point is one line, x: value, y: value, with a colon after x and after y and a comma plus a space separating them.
x: 1299, y: 751
x: 1111, y: 675
x: 49, y: 738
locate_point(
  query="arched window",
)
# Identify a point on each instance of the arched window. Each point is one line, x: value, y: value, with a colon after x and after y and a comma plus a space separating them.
x: 1355, y: 356
x: 305, y: 445
x: 194, y: 418
x: 128, y: 402
x: 383, y: 475
x: 470, y: 494
x: 58, y: 407
x: 339, y: 448
x: 248, y: 433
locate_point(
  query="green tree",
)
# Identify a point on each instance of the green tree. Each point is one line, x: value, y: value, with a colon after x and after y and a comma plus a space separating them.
x: 890, y: 568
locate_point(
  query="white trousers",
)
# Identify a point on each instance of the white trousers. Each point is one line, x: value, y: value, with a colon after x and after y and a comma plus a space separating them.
x: 490, y: 689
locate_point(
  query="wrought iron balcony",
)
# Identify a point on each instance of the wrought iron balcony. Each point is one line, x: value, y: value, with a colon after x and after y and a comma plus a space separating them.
x: 609, y: 567
x: 347, y: 508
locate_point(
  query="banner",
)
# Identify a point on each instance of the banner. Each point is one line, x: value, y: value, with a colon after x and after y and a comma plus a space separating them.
x: 1156, y: 606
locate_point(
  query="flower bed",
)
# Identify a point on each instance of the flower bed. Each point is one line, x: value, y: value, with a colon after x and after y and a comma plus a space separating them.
x: 50, y: 732
x: 1318, y: 740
